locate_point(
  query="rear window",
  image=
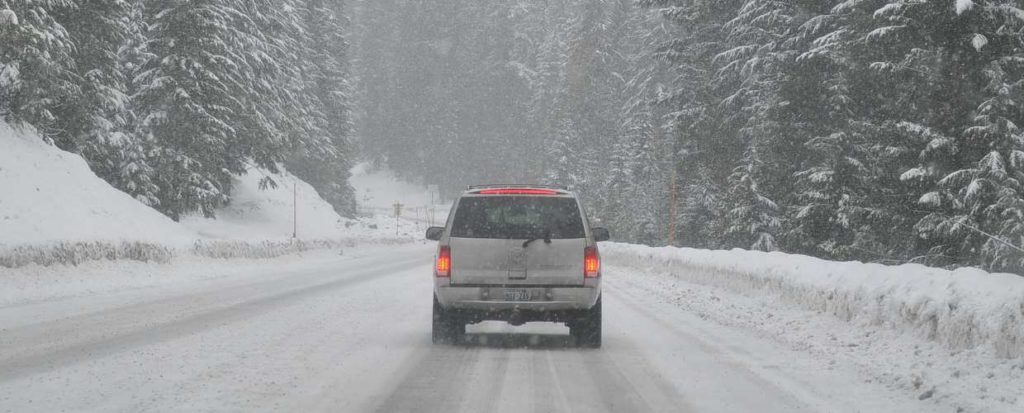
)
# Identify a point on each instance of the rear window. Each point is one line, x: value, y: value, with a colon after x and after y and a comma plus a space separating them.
x: 517, y: 217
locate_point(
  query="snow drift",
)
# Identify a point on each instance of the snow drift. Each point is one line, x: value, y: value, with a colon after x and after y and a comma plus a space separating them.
x: 962, y: 309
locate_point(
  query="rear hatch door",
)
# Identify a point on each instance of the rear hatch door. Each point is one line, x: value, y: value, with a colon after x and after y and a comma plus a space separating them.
x: 560, y: 262
x: 517, y: 240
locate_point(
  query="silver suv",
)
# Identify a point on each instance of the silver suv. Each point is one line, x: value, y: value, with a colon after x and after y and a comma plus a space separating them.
x: 517, y: 253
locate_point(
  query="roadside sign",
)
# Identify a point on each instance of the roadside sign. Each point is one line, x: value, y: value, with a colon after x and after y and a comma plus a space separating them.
x: 398, y: 213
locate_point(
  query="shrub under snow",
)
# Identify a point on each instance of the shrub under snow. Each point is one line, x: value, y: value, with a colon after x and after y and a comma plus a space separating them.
x: 74, y: 253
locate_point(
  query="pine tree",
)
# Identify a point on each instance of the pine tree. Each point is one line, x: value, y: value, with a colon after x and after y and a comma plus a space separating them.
x: 189, y: 103
x: 614, y: 209
x: 831, y: 214
x: 702, y: 212
x: 562, y: 168
x: 323, y: 157
x: 969, y: 122
x: 759, y: 72
x: 754, y: 219
x: 703, y: 149
x: 643, y: 129
x: 36, y: 63
x: 93, y: 121
x: 262, y: 118
x: 988, y: 196
x: 134, y: 173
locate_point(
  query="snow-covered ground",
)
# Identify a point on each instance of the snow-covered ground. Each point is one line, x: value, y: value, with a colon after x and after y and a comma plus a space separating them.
x: 49, y: 196
x: 964, y: 309
x: 293, y: 207
x: 54, y: 210
x: 343, y: 322
x: 948, y: 338
x: 377, y: 191
x: 351, y: 332
x: 380, y: 189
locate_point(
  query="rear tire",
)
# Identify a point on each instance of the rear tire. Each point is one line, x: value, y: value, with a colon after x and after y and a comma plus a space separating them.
x: 445, y: 329
x: 587, y: 330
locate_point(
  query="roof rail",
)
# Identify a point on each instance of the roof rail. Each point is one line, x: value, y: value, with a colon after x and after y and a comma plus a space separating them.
x: 472, y: 187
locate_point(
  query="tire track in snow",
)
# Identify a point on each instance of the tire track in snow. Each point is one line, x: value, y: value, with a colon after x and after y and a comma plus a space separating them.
x: 434, y: 382
x: 561, y: 398
x: 142, y: 331
x: 746, y: 369
x: 522, y: 372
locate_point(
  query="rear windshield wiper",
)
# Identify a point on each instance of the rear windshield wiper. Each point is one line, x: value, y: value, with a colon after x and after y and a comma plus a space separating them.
x: 546, y: 238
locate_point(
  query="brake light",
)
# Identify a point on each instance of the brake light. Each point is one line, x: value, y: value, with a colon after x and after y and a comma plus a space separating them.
x: 517, y: 191
x: 591, y: 263
x: 443, y: 268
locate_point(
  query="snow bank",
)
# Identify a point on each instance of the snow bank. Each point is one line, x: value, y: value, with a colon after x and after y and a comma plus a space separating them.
x: 962, y: 309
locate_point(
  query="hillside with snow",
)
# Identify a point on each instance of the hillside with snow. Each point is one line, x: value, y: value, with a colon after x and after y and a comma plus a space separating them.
x: 50, y: 196
x: 379, y: 189
x: 291, y: 208
x: 54, y: 209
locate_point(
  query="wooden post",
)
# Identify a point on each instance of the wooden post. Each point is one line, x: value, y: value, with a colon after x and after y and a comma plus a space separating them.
x: 295, y: 209
x: 398, y: 213
x: 672, y: 209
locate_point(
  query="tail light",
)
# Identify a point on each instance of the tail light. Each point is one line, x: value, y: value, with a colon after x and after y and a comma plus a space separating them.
x: 443, y: 267
x: 591, y: 263
x: 515, y: 191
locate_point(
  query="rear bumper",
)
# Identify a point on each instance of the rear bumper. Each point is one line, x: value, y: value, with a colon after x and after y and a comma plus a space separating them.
x: 493, y: 299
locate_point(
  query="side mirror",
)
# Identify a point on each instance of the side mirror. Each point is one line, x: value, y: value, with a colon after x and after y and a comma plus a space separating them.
x: 601, y: 234
x: 435, y: 233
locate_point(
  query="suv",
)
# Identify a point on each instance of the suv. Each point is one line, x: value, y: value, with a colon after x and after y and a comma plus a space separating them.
x: 517, y: 253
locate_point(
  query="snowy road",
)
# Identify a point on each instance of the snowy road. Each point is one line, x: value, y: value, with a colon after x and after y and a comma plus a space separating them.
x: 352, y: 334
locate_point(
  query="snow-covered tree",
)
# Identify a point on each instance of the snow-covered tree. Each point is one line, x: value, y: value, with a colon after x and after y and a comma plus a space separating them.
x: 133, y: 172
x: 984, y: 200
x: 754, y: 218
x: 190, y: 101
x: 37, y: 68
x: 325, y: 154
x: 93, y: 121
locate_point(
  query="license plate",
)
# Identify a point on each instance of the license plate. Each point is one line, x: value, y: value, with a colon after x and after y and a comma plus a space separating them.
x: 517, y: 294
x: 517, y: 265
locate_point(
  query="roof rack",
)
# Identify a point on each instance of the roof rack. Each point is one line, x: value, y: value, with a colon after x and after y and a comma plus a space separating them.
x: 484, y: 186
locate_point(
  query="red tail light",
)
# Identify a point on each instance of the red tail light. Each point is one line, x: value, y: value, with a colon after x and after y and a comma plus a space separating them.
x: 517, y: 191
x: 591, y: 263
x: 443, y: 268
